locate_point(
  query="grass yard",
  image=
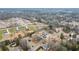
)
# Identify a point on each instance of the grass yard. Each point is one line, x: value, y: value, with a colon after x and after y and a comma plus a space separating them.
x: 12, y: 30
x: 21, y: 27
x: 32, y: 27
x: 1, y: 33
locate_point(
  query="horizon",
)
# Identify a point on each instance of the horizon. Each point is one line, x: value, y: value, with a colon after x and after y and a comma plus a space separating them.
x: 10, y: 10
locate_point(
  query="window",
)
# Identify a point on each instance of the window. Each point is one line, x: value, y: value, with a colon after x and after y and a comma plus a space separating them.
x: 29, y: 40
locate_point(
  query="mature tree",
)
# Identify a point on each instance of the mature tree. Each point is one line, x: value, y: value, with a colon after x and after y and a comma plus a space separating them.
x: 61, y: 36
x: 66, y: 29
x: 23, y: 44
x: 4, y: 48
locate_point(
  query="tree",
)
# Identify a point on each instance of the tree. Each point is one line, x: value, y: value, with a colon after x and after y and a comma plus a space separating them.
x: 70, y: 45
x: 4, y: 48
x: 17, y: 41
x: 66, y: 29
x: 50, y: 26
x: 7, y: 42
x: 57, y: 47
x: 23, y: 44
x: 61, y: 36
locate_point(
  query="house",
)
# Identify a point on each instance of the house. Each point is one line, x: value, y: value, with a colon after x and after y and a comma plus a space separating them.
x: 40, y: 48
x: 17, y: 28
x: 41, y: 35
x: 6, y: 34
x: 77, y: 38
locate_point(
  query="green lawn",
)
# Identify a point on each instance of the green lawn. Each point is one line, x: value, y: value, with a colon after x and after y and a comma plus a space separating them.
x: 12, y: 30
x: 32, y: 27
x: 22, y: 27
x: 1, y: 33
